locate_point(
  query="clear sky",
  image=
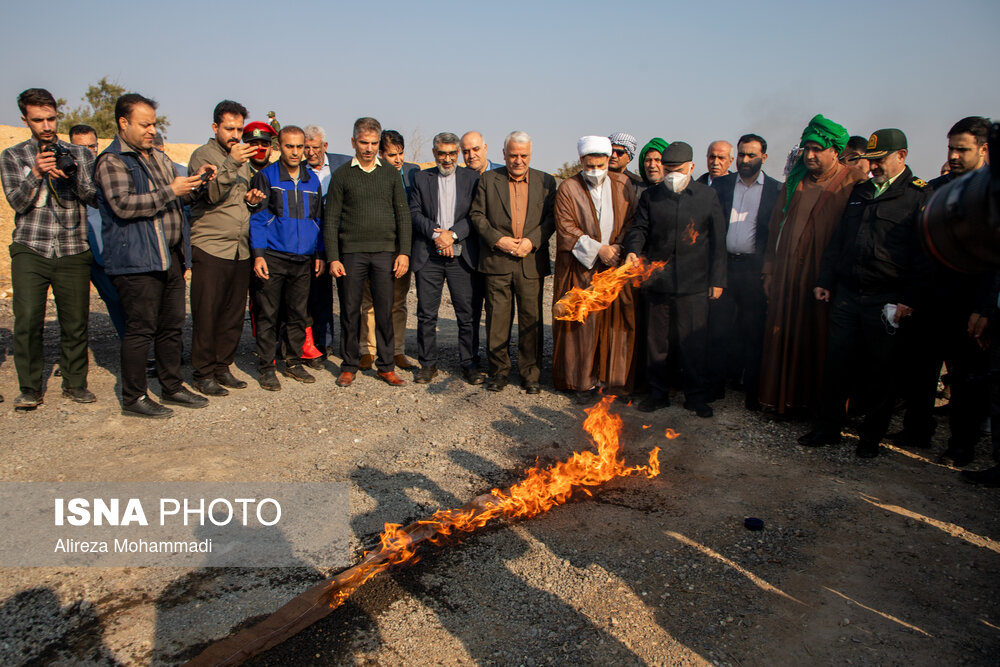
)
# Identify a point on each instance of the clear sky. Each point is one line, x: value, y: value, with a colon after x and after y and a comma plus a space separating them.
x: 692, y: 71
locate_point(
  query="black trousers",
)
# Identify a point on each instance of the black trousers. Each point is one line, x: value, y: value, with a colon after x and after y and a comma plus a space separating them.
x: 287, y: 286
x: 376, y: 268
x: 430, y: 282
x: 478, y: 301
x: 154, y: 315
x: 931, y: 337
x: 503, y: 293
x: 736, y: 326
x: 860, y: 347
x: 688, y: 315
x: 219, y: 290
x: 321, y: 310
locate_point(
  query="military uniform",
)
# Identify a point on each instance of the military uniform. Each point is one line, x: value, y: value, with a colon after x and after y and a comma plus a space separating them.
x: 873, y: 259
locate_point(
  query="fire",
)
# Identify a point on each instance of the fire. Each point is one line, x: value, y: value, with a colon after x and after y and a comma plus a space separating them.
x: 690, y: 234
x: 604, y: 288
x: 671, y: 434
x: 541, y: 489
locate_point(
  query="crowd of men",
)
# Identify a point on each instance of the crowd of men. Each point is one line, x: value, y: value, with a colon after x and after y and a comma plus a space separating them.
x: 814, y: 297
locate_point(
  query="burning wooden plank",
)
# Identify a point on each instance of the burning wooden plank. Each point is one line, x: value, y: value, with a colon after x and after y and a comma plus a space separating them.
x: 576, y: 304
x: 541, y: 490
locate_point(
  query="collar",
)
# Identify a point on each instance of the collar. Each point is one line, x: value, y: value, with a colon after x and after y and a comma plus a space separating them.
x: 304, y: 174
x: 126, y: 147
x: 326, y: 163
x: 757, y: 181
x: 356, y: 163
x: 518, y: 180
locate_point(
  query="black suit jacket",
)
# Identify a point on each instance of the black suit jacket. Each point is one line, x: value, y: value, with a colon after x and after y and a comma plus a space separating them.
x: 725, y: 186
x: 490, y: 214
x: 424, y: 210
x: 685, y: 229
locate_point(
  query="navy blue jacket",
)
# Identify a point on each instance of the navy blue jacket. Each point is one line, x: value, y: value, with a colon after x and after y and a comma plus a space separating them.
x: 424, y: 209
x: 292, y: 222
x: 725, y: 186
x: 133, y: 245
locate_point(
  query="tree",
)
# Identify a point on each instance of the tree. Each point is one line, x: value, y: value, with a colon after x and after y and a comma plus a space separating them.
x: 567, y: 170
x: 99, y: 110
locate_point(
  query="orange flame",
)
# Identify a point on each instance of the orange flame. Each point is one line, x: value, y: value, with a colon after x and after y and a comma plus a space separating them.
x: 645, y: 426
x: 671, y: 434
x: 604, y: 288
x: 690, y: 235
x: 541, y: 489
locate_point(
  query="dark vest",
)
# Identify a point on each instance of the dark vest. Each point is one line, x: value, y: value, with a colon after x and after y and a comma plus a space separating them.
x: 132, y: 245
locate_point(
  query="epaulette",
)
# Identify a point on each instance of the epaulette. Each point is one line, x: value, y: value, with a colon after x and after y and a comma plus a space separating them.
x: 920, y: 183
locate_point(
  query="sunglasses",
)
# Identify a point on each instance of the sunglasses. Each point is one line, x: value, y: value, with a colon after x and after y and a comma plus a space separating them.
x: 619, y: 151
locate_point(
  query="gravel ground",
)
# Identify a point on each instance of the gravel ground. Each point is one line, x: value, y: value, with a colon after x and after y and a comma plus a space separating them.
x: 892, y: 561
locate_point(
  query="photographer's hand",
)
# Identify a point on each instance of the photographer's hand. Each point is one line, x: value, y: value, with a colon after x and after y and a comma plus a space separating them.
x: 45, y: 165
x: 183, y: 185
x: 241, y: 152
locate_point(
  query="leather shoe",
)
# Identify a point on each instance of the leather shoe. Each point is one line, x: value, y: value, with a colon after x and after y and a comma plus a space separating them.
x: 148, y: 408
x: 403, y: 362
x: 703, y: 410
x: 866, y: 449
x: 818, y: 438
x: 210, y: 387
x: 473, y: 375
x: 531, y: 388
x: 79, y: 394
x: 296, y: 372
x: 345, y: 379
x: 28, y: 400
x: 989, y: 478
x: 425, y: 374
x: 582, y: 397
x: 958, y: 457
x: 184, y: 397
x: 269, y: 380
x: 315, y: 364
x: 366, y: 362
x: 496, y: 384
x: 653, y: 402
x: 390, y: 378
x: 227, y: 379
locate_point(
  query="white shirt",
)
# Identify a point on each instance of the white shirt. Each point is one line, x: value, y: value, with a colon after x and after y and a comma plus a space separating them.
x: 376, y: 163
x: 586, y: 247
x: 741, y: 237
x: 323, y: 173
x: 446, y: 201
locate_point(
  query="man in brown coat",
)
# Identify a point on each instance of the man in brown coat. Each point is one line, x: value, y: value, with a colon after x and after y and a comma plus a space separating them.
x: 592, y: 212
x: 512, y: 211
x: 809, y: 207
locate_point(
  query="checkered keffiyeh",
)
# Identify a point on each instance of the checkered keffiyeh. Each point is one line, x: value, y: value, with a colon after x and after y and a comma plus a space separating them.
x: 626, y: 141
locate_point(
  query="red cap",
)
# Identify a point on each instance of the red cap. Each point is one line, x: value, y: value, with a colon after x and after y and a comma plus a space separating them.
x: 258, y: 130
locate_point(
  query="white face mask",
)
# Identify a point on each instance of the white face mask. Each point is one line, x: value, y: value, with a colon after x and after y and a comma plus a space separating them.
x: 595, y: 176
x: 676, y: 181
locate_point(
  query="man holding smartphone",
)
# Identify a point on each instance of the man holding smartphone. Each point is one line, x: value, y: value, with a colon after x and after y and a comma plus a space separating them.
x: 220, y: 251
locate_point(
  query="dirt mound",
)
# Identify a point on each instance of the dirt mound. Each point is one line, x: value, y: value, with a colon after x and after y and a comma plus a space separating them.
x: 10, y: 136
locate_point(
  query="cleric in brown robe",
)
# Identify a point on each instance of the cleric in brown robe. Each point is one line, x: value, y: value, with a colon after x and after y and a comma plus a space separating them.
x: 809, y: 207
x: 593, y: 210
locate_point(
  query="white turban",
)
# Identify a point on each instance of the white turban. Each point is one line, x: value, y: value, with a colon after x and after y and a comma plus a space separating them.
x: 593, y: 146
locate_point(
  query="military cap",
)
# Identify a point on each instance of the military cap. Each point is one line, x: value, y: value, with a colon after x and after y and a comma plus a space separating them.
x: 258, y: 130
x: 883, y: 142
x: 677, y: 153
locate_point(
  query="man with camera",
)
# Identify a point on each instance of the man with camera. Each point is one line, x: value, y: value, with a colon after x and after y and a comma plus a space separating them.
x: 141, y: 203
x: 48, y: 183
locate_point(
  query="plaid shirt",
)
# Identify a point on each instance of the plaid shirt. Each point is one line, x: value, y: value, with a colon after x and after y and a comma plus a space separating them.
x: 50, y: 214
x: 160, y: 203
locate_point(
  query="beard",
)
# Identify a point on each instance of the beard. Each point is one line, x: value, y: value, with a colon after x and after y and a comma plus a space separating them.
x: 749, y: 169
x: 447, y: 171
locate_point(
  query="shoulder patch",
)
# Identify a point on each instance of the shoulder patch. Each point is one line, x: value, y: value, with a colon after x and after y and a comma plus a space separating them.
x: 920, y: 183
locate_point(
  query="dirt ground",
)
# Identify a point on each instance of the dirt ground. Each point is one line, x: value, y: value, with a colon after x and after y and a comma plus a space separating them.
x: 892, y: 561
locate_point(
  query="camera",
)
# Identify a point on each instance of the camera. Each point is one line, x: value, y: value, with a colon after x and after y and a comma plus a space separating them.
x: 64, y: 158
x: 960, y: 226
